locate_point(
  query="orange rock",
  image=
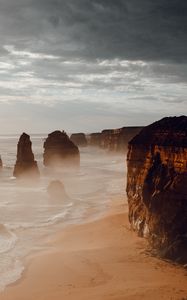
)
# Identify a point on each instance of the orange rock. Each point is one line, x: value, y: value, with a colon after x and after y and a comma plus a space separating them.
x: 157, y: 185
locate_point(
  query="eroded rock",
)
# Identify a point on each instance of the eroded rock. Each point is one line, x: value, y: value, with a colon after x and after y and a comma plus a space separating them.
x: 56, y: 190
x: 79, y: 139
x: 157, y: 186
x: 25, y: 163
x: 59, y: 150
x: 114, y: 140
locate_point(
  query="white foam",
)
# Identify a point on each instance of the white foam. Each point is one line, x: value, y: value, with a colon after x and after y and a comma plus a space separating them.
x: 11, y: 275
x: 7, y: 239
x: 29, y: 214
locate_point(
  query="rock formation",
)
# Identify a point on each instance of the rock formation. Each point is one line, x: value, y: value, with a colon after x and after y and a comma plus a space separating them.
x: 114, y: 139
x: 1, y: 163
x: 157, y: 186
x: 94, y: 139
x: 79, y: 139
x: 59, y: 150
x: 25, y: 164
x: 56, y: 190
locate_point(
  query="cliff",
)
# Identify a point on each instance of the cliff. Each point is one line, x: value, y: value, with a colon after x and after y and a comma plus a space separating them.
x: 114, y: 139
x: 59, y: 150
x: 79, y: 139
x: 25, y: 163
x: 94, y: 139
x: 157, y: 186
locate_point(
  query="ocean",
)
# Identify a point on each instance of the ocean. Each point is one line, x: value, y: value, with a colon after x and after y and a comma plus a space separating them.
x: 28, y: 215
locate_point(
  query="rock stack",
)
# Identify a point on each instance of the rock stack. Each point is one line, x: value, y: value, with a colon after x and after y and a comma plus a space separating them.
x: 1, y: 163
x: 157, y: 186
x: 59, y: 150
x: 79, y: 139
x: 56, y: 190
x: 25, y: 164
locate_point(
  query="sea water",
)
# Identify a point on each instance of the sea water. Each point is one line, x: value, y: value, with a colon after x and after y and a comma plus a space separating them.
x: 28, y: 214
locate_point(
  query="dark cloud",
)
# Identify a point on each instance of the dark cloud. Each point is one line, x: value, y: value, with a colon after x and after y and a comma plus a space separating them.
x: 130, y: 29
x: 104, y: 63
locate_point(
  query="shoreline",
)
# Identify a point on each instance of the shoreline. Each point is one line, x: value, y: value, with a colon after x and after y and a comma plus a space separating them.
x: 100, y: 259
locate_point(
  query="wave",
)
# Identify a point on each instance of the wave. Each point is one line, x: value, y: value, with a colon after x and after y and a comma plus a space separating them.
x: 7, y: 239
x: 49, y: 221
x: 11, y: 274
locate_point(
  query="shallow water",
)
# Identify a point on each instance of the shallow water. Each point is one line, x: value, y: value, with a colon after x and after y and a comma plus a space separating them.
x: 28, y: 214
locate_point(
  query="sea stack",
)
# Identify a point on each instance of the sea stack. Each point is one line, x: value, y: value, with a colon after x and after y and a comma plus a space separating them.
x: 79, y: 139
x: 25, y: 163
x: 56, y: 190
x: 1, y: 163
x: 157, y: 186
x: 59, y: 150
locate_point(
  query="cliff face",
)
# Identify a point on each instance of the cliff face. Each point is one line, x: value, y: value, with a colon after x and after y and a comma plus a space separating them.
x: 25, y: 163
x: 94, y: 139
x: 157, y: 186
x: 117, y: 139
x: 114, y: 139
x: 79, y: 139
x: 59, y: 150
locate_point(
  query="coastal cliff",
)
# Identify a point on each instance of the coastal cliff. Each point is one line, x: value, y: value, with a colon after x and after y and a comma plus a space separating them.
x: 114, y: 140
x: 25, y: 163
x: 79, y: 139
x: 157, y: 186
x: 59, y: 150
x: 94, y: 139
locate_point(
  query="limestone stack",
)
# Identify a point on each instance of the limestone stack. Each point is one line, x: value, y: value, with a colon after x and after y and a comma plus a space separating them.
x: 59, y: 150
x: 25, y: 163
x: 1, y: 163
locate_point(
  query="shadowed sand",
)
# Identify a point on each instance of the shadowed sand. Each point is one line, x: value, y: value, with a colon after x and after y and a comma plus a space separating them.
x: 101, y: 260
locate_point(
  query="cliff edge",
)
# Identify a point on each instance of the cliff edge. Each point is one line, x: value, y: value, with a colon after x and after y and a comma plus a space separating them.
x: 157, y: 186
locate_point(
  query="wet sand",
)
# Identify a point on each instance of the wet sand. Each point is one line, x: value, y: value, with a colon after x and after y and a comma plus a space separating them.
x: 100, y: 260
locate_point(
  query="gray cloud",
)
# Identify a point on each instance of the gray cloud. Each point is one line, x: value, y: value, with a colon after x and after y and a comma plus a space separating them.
x: 135, y: 30
x: 112, y: 59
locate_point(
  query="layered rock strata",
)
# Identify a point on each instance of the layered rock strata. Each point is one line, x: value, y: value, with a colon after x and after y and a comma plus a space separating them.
x: 157, y: 186
x: 25, y: 163
x: 114, y: 139
x: 94, y: 139
x: 79, y: 139
x: 59, y: 150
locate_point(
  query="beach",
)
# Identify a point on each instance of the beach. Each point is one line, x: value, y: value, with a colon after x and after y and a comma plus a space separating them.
x: 101, y: 259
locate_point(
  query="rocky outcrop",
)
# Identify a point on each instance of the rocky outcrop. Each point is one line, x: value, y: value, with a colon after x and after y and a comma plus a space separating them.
x: 94, y: 139
x: 157, y: 186
x: 114, y: 139
x: 1, y: 163
x: 79, y: 139
x: 25, y: 163
x: 59, y: 150
x: 117, y: 139
x: 56, y: 190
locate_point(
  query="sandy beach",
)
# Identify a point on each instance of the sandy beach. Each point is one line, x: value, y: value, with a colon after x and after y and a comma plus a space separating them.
x: 102, y: 259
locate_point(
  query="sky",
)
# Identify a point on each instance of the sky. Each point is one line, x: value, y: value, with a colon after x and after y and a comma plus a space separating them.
x: 86, y: 65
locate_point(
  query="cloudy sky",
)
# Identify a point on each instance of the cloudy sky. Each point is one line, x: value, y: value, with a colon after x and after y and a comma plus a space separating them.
x: 85, y: 65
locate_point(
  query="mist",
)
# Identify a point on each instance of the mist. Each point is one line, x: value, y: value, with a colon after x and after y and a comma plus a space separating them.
x: 32, y: 208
